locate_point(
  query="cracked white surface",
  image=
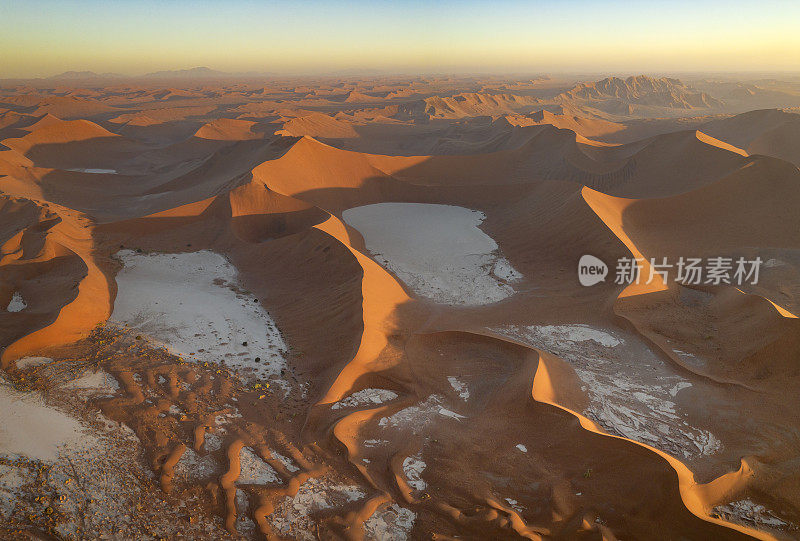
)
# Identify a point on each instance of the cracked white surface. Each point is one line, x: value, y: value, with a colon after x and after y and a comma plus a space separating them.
x: 254, y: 471
x: 97, y: 383
x: 365, y: 397
x: 389, y: 522
x: 748, y: 512
x: 419, y: 415
x: 196, y: 468
x: 413, y: 466
x: 192, y: 304
x: 437, y: 250
x: 293, y: 516
x: 630, y: 395
x: 17, y: 303
x: 459, y: 386
x: 32, y: 428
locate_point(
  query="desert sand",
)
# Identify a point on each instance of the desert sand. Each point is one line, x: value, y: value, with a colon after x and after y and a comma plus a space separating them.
x: 349, y: 308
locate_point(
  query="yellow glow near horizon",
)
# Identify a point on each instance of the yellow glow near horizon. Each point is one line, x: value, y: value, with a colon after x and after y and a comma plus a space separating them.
x: 45, y: 37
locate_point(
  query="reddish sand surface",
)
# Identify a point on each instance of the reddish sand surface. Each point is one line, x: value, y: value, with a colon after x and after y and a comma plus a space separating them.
x: 340, y: 308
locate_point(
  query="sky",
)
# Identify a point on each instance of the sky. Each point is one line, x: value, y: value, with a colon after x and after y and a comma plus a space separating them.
x: 45, y: 37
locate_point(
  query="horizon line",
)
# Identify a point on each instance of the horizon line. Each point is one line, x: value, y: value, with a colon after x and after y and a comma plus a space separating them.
x: 213, y: 73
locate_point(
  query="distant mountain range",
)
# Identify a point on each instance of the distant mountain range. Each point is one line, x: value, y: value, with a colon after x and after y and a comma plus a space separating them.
x: 74, y: 75
x: 192, y: 73
x: 643, y: 90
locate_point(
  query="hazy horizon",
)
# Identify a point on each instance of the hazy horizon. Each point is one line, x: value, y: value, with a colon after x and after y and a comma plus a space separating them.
x: 368, y: 72
x: 319, y: 37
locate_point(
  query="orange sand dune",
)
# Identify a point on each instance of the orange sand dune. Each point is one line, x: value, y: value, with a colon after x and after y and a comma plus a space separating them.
x: 781, y: 142
x: 317, y: 125
x: 722, y: 218
x: 359, y: 97
x: 772, y: 132
x: 72, y: 144
x: 14, y: 124
x: 587, y: 127
x: 160, y: 115
x: 67, y: 107
x: 699, y: 498
x: 228, y: 130
x: 740, y: 130
x: 644, y: 169
x: 43, y: 122
x: 58, y: 245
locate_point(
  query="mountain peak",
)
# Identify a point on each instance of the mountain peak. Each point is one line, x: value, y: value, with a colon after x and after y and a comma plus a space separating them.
x: 642, y: 90
x: 73, y: 75
x: 191, y: 73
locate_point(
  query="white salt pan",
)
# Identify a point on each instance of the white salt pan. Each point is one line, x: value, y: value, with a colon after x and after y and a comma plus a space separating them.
x: 365, y: 397
x: 413, y: 466
x: 95, y: 171
x: 33, y: 429
x: 437, y: 250
x: 17, y: 303
x: 191, y: 304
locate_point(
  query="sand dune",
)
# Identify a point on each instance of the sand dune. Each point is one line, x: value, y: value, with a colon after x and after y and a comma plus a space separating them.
x: 72, y: 144
x: 66, y: 107
x: 317, y: 125
x: 770, y: 132
x: 586, y: 127
x: 228, y: 130
x: 780, y: 142
x: 350, y: 308
x: 638, y: 169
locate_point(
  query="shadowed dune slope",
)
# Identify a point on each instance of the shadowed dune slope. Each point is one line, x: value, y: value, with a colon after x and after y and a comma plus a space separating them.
x: 651, y: 168
x: 772, y: 132
x: 73, y: 144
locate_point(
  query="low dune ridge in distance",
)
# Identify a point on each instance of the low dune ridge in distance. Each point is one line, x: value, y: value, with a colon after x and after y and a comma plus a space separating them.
x: 351, y: 307
x: 771, y: 132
